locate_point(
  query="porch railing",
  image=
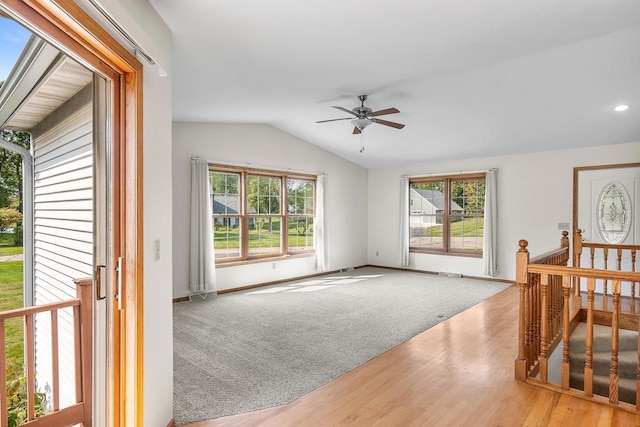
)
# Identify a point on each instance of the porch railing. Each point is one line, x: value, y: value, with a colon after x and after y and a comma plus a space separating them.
x: 80, y: 412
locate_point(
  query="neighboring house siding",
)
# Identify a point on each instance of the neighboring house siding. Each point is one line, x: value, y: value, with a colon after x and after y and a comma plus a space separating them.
x: 63, y: 215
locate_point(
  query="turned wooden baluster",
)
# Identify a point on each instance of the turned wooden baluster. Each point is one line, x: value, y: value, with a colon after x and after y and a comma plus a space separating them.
x: 553, y: 306
x: 619, y: 260
x: 522, y: 262
x: 566, y: 290
x: 619, y: 268
x: 613, y: 372
x: 588, y: 365
x: 633, y: 284
x: 638, y: 373
x: 550, y: 307
x: 557, y: 304
x: 605, y: 282
x: 544, y: 337
x: 527, y: 330
x: 535, y: 324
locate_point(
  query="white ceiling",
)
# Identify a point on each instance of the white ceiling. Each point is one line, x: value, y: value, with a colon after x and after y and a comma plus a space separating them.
x: 471, y: 78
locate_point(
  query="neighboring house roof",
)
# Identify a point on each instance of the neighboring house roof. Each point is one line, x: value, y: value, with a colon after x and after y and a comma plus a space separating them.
x: 436, y: 198
x: 220, y: 207
x: 41, y: 81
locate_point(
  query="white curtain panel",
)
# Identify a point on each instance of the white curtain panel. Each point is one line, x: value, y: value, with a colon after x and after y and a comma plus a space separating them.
x: 403, y: 249
x: 320, y: 226
x: 490, y: 243
x: 201, y: 261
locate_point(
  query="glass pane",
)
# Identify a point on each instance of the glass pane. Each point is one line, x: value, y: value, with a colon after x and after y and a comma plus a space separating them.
x: 427, y: 198
x: 300, y: 234
x: 466, y: 234
x: 226, y: 237
x: 300, y: 196
x: 467, y: 196
x: 425, y: 231
x: 225, y: 195
x: 265, y: 236
x: 263, y: 194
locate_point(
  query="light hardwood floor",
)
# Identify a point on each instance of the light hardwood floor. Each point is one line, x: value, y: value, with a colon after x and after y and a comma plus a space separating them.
x: 458, y: 373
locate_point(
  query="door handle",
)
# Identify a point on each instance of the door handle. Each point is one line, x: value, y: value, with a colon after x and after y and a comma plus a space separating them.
x: 99, y: 282
x: 119, y: 282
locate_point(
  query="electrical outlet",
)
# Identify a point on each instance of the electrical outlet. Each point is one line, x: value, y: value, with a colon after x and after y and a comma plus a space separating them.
x: 563, y: 226
x: 156, y: 250
x: 377, y: 253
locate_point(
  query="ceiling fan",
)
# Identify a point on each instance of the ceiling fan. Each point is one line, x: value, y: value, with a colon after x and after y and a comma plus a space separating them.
x: 364, y: 116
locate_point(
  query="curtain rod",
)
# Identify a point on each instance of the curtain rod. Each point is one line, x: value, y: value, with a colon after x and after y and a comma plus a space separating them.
x: 252, y: 166
x: 97, y: 6
x: 425, y: 175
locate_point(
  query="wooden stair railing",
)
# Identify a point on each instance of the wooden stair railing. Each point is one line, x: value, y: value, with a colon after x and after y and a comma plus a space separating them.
x: 541, y: 302
x: 532, y: 358
x: 80, y: 412
x: 625, y: 256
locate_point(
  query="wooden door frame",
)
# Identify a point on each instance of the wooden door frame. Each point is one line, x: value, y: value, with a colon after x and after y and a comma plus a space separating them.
x: 68, y: 27
x: 576, y: 183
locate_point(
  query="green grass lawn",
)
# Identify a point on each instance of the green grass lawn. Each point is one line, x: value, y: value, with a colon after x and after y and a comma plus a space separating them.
x: 6, y: 245
x: 231, y: 239
x: 11, y: 297
x: 468, y: 228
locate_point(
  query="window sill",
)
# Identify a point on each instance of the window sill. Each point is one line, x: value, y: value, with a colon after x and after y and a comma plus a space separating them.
x: 458, y: 254
x: 224, y: 264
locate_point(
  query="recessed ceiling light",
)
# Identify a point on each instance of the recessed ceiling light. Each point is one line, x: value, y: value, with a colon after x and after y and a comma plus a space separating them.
x: 621, y: 107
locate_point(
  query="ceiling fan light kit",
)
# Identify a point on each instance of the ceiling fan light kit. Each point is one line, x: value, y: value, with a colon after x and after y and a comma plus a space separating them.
x: 361, y: 123
x: 364, y: 116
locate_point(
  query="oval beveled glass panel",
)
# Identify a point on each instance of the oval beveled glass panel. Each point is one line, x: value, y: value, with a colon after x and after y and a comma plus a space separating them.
x: 613, y: 213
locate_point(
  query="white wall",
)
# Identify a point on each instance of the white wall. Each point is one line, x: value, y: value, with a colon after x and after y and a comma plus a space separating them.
x: 142, y: 22
x: 265, y: 146
x: 535, y: 192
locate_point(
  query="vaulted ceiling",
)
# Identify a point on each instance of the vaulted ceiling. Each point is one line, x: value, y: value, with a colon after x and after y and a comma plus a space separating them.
x: 470, y: 78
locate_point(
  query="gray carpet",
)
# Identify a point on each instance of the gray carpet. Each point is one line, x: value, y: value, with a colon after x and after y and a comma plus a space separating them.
x: 265, y: 347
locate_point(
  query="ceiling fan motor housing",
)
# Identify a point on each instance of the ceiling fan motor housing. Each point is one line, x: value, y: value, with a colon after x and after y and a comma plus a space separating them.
x: 362, y: 112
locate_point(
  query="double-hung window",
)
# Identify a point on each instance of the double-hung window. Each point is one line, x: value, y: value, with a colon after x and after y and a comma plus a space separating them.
x: 261, y: 214
x: 446, y: 214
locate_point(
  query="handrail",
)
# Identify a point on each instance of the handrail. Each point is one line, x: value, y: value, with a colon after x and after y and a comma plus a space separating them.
x: 81, y: 411
x: 35, y: 309
x: 584, y: 272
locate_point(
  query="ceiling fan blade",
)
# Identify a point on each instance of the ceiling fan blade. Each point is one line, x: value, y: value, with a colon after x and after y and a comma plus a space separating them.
x: 345, y: 110
x: 385, y: 111
x: 387, y: 123
x: 333, y: 120
x: 356, y: 131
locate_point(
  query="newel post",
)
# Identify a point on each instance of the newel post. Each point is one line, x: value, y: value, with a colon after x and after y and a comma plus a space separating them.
x: 577, y: 253
x: 522, y: 262
x: 84, y: 292
x: 564, y: 241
